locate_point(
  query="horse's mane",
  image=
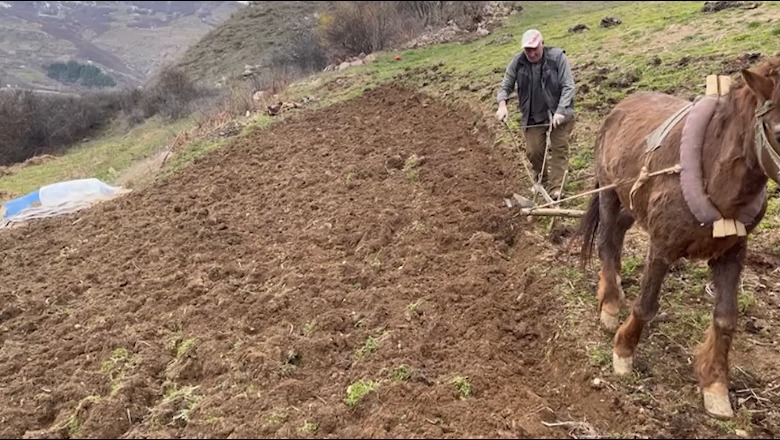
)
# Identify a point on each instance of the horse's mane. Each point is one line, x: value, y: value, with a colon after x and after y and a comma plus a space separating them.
x: 743, y: 101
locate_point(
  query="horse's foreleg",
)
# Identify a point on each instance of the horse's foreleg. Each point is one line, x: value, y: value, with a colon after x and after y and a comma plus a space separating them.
x: 712, y: 364
x: 645, y: 309
x: 612, y: 230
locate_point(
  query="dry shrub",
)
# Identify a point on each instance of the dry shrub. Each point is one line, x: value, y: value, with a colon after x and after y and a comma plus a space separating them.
x: 365, y: 27
x: 361, y: 27
x: 37, y: 123
x: 170, y: 94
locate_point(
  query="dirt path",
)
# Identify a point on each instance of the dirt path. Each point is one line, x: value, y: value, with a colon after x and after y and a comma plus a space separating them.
x: 365, y: 245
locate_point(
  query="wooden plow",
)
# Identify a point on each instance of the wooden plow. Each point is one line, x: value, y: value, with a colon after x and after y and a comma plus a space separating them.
x: 551, y: 207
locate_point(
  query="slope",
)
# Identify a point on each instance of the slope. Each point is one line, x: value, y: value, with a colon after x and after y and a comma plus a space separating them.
x: 248, y: 38
x: 128, y: 40
x: 328, y: 255
x: 319, y: 261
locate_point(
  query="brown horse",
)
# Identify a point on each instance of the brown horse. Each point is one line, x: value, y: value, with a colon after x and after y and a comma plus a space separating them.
x: 737, y: 145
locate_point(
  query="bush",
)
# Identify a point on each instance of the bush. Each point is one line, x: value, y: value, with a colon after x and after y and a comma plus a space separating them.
x: 361, y: 27
x: 170, y: 95
x: 36, y: 123
x: 364, y: 27
x: 303, y: 54
x: 74, y: 72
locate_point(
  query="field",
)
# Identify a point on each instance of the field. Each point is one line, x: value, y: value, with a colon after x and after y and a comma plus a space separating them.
x: 351, y: 269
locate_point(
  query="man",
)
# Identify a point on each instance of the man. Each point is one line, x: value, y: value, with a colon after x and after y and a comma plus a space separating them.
x: 545, y: 90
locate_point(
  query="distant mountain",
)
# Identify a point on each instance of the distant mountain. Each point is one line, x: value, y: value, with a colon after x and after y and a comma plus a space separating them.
x: 128, y: 40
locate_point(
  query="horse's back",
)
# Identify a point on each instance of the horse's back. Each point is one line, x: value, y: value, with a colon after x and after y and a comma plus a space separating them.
x: 622, y: 139
x: 643, y: 112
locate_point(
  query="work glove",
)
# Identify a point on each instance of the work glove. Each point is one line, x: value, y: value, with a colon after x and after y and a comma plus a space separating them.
x: 557, y: 120
x: 502, y: 113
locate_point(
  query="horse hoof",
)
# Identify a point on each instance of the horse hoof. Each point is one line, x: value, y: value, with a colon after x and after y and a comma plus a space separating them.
x: 716, y: 401
x: 609, y: 322
x: 622, y: 365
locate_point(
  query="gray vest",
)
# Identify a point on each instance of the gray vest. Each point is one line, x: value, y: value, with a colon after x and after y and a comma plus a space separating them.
x: 551, y: 86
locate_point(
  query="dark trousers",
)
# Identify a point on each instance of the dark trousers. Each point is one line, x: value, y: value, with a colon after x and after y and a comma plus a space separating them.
x: 558, y: 156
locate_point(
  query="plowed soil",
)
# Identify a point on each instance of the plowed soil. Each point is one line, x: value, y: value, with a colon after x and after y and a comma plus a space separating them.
x: 249, y: 294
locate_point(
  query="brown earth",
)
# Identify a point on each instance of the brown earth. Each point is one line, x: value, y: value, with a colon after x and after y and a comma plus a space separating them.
x: 244, y: 295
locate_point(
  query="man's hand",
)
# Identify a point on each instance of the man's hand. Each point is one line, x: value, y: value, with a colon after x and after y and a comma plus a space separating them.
x: 502, y: 112
x: 557, y: 120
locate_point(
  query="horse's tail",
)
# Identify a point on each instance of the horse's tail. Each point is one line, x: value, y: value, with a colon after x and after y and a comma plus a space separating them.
x: 589, y: 223
x: 587, y: 229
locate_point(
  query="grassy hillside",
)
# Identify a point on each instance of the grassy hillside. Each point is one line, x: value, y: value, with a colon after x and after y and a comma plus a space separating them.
x: 470, y: 327
x: 669, y: 46
x: 247, y: 38
x: 665, y: 46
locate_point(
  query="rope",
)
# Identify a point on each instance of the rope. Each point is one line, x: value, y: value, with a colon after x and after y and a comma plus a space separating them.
x: 670, y: 170
x: 643, y: 177
x: 520, y: 152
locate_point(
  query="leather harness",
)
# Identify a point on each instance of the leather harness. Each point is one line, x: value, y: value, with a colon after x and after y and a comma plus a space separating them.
x: 699, y: 114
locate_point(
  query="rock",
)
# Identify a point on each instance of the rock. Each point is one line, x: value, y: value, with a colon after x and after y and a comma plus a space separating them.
x: 503, y: 39
x: 608, y: 22
x: 354, y: 61
x: 578, y: 28
x: 394, y: 162
x: 719, y: 6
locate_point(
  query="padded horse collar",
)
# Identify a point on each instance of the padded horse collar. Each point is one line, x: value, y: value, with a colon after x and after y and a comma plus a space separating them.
x: 691, y: 176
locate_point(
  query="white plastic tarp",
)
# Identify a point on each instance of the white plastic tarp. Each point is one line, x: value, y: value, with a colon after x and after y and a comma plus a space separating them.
x: 57, y: 199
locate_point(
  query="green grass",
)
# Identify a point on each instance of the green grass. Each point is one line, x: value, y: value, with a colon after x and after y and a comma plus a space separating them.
x: 687, y: 43
x: 104, y: 158
x: 359, y: 389
x: 669, y: 31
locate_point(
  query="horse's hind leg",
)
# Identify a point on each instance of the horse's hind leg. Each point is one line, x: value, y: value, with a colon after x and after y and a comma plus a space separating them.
x: 712, y: 358
x: 624, y: 223
x: 612, y: 230
x: 645, y: 309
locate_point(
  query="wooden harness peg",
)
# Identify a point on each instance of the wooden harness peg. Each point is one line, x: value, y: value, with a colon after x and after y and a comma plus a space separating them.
x: 717, y: 85
x: 731, y: 228
x: 712, y: 85
x: 724, y: 84
x: 728, y: 227
x: 719, y: 228
x: 741, y: 230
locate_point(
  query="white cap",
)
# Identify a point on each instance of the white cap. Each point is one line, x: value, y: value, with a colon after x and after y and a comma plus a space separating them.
x: 532, y: 38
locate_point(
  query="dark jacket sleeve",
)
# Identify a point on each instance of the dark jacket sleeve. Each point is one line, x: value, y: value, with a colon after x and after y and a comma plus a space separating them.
x: 566, y: 80
x: 510, y: 80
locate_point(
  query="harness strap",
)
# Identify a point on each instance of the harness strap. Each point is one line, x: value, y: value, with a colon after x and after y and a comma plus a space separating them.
x: 656, y: 138
x: 764, y: 146
x: 691, y: 177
